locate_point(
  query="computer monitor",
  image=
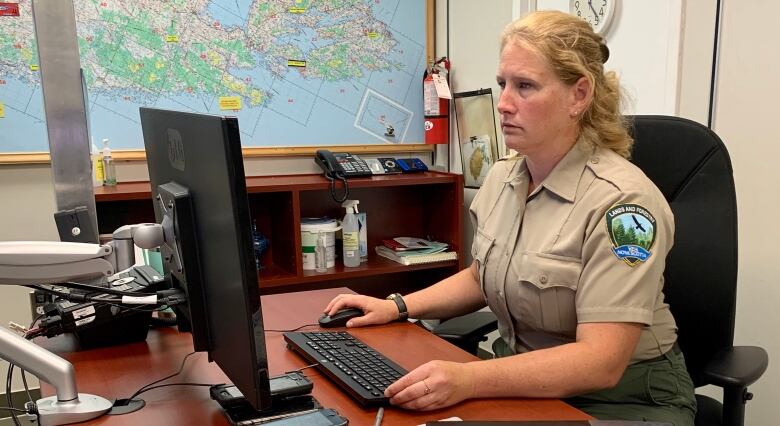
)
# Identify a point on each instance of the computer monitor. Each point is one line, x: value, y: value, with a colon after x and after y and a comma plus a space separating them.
x: 199, y: 190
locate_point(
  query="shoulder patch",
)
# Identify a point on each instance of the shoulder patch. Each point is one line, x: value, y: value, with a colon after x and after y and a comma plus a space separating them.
x: 631, y: 228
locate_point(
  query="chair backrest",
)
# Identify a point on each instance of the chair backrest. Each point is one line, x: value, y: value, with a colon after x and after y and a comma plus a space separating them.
x: 691, y: 166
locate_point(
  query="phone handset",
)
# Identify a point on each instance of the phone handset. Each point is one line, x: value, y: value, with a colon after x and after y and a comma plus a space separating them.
x: 332, y: 171
x: 330, y: 166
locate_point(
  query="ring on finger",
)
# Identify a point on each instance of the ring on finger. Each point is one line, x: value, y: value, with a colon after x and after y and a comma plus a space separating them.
x: 427, y: 389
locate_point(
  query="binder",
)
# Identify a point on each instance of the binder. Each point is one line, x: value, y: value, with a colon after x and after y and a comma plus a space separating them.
x: 411, y: 258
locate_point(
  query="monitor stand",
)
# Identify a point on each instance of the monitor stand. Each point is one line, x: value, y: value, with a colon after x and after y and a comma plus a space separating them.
x: 68, y: 406
x: 242, y: 411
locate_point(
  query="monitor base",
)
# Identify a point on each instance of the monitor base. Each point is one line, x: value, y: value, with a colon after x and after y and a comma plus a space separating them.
x: 85, y: 407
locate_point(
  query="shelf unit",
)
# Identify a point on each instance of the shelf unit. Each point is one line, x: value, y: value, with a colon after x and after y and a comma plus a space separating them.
x: 428, y: 204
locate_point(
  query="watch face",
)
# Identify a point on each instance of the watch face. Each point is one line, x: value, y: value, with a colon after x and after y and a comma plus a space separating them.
x: 598, y: 13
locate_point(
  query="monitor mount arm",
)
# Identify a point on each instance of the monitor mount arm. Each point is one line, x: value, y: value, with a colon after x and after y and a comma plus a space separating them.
x: 51, y: 262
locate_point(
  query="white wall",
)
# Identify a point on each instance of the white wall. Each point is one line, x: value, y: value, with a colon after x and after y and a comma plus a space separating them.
x: 27, y: 197
x: 746, y: 119
x: 644, y: 44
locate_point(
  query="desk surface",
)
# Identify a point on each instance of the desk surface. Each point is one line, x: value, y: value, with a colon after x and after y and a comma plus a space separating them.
x: 117, y: 372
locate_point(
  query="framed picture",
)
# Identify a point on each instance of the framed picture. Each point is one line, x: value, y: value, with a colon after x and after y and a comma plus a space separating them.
x: 478, y: 144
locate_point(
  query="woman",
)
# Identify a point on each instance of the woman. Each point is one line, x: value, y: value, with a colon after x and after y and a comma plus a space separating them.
x: 569, y: 249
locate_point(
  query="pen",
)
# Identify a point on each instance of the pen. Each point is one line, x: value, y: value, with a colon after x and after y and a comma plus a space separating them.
x: 379, y: 414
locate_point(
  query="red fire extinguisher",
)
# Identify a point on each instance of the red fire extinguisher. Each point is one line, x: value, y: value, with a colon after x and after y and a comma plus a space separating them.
x: 437, y: 110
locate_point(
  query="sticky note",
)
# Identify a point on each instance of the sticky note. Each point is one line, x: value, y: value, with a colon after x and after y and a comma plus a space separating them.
x: 296, y: 63
x: 297, y: 10
x: 229, y: 102
x: 33, y: 67
x: 373, y: 35
x: 2, y: 110
x: 172, y: 38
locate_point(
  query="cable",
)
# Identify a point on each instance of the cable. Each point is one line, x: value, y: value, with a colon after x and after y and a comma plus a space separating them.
x: 82, y: 286
x: 8, y: 379
x: 13, y: 410
x: 333, y: 188
x: 87, y: 297
x: 173, y: 384
x: 145, y: 387
x: 164, y: 297
x: 308, y: 366
x: 294, y: 329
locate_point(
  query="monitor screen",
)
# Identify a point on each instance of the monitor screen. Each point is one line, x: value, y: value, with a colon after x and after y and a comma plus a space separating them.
x: 199, y: 191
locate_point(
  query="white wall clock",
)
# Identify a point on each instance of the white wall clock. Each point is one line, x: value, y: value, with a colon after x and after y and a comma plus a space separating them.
x: 598, y: 13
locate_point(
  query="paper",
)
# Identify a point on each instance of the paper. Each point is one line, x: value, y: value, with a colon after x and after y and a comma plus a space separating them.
x: 230, y: 102
x: 442, y: 88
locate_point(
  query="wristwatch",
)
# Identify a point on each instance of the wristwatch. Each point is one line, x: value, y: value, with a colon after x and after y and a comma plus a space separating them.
x: 403, y: 314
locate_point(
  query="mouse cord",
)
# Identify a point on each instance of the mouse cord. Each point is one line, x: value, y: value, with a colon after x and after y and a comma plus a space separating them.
x: 147, y: 387
x: 294, y: 329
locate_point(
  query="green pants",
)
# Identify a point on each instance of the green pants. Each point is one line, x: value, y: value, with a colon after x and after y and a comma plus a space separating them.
x: 658, y: 390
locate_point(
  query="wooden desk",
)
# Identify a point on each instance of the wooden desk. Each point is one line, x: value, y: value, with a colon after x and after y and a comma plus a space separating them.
x: 117, y: 372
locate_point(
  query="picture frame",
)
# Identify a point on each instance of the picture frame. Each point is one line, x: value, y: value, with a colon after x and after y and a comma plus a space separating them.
x: 477, y: 136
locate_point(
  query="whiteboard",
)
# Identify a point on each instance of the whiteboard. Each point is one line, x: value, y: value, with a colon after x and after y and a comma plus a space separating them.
x: 296, y: 74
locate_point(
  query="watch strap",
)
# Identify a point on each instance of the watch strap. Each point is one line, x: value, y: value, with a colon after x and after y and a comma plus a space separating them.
x: 403, y: 313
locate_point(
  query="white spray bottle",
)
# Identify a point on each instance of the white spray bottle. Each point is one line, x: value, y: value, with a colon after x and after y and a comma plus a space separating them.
x: 350, y: 234
x: 109, y: 168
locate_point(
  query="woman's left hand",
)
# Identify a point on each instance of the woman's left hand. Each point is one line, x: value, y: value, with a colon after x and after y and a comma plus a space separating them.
x: 433, y: 385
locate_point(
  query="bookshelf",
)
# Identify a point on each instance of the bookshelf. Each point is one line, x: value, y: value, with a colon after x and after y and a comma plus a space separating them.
x: 428, y: 204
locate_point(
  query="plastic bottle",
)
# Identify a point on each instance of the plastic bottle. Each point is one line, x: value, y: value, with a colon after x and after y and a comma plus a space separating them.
x: 97, y: 166
x: 350, y: 234
x: 321, y: 253
x: 109, y: 168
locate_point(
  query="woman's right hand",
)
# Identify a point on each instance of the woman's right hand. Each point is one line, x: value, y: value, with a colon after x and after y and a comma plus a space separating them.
x: 375, y: 311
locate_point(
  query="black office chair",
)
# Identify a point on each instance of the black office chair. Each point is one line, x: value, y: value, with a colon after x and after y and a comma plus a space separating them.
x: 690, y: 165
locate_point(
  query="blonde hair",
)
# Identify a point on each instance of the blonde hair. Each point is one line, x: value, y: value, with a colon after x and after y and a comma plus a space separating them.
x: 574, y: 51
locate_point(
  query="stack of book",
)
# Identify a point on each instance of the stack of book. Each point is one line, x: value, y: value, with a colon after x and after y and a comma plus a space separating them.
x: 415, y: 251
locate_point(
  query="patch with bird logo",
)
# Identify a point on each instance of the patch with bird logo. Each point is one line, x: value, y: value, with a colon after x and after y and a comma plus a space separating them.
x: 632, y: 231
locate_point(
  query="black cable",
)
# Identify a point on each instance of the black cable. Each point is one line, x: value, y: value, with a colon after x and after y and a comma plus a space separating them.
x: 144, y: 388
x: 173, y: 384
x: 82, y: 286
x: 87, y: 297
x: 26, y: 388
x: 8, y: 379
x: 291, y: 330
x: 13, y: 410
x: 333, y: 188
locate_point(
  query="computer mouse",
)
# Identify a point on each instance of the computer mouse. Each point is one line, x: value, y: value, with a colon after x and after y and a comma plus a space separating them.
x: 340, y: 318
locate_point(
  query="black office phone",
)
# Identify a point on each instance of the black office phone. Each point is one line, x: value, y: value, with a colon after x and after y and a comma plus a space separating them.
x: 341, y: 165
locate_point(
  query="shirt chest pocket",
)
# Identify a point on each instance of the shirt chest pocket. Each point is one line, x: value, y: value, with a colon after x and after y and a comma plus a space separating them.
x: 480, y: 250
x: 544, y: 294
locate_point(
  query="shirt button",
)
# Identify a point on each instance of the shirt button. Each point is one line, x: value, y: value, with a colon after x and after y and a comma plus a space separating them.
x: 543, y: 279
x: 594, y: 160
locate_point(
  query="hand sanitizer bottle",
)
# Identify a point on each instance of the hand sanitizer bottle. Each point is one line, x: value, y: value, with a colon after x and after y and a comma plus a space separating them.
x: 350, y: 235
x: 97, y: 166
x: 109, y: 168
x: 321, y: 253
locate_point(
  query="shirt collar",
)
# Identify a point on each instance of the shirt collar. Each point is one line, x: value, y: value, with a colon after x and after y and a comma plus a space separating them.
x: 565, y: 177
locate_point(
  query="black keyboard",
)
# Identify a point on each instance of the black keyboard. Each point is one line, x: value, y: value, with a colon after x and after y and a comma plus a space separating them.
x: 360, y: 370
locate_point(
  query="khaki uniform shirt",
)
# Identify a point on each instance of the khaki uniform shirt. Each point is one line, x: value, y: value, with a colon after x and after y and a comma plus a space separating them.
x: 587, y: 245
